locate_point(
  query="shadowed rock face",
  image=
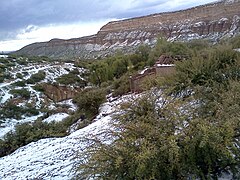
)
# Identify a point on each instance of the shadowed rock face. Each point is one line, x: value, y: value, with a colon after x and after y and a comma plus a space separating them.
x: 212, y: 21
x: 59, y: 93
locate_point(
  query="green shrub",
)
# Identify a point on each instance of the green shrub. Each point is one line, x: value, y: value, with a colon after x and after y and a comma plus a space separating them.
x: 38, y: 87
x: 39, y: 59
x: 23, y: 93
x: 36, y: 77
x: 70, y: 79
x: 220, y: 65
x: 19, y: 75
x: 155, y: 140
x: 90, y: 100
x: 19, y: 83
x: 10, y: 110
x: 29, y: 132
x: 100, y: 72
x: 235, y: 42
x: 5, y: 76
x: 142, y: 147
x: 121, y: 86
x: 191, y: 135
x: 22, y: 61
x: 168, y: 48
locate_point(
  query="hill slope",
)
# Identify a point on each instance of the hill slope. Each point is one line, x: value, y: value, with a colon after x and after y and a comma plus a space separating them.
x: 212, y: 21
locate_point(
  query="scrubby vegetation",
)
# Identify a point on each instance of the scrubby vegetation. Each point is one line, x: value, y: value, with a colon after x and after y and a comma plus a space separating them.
x: 72, y: 78
x: 21, y: 93
x: 89, y: 100
x: 19, y: 83
x: 35, y: 78
x: 88, y: 103
x: 186, y: 127
x: 188, y: 131
x: 29, y: 132
x: 10, y: 110
x: 235, y: 42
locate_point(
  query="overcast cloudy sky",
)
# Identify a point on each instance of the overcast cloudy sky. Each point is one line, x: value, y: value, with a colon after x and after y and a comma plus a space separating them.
x: 26, y: 21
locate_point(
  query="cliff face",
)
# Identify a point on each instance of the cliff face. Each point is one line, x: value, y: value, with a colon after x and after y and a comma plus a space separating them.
x: 212, y: 21
x: 59, y: 93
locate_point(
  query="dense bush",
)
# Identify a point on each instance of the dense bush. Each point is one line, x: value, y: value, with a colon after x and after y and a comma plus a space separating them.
x: 30, y: 59
x: 38, y: 87
x: 19, y: 75
x: 72, y: 78
x: 90, y: 100
x: 191, y: 134
x: 28, y: 132
x: 100, y: 72
x: 19, y: 83
x: 168, y: 48
x: 23, y: 93
x: 36, y: 77
x: 4, y: 75
x: 121, y: 86
x: 10, y: 110
x: 219, y: 66
x: 235, y: 42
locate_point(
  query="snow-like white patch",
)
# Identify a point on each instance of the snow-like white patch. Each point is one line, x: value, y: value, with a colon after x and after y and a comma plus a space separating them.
x: 143, y: 71
x: 53, y: 70
x: 5, y: 95
x: 3, y: 56
x: 93, y: 47
x: 198, y: 24
x: 56, y: 117
x: 69, y: 102
x: 9, y: 124
x: 165, y: 65
x: 53, y: 158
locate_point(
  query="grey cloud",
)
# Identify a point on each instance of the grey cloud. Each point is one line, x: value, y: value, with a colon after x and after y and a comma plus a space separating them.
x: 19, y: 14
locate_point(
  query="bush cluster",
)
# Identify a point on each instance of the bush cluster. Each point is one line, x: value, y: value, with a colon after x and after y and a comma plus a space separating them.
x: 89, y: 101
x: 72, y: 78
x: 10, y: 110
x: 112, y: 68
x: 22, y: 93
x: 29, y: 132
x: 19, y: 83
x: 189, y: 131
x: 36, y: 77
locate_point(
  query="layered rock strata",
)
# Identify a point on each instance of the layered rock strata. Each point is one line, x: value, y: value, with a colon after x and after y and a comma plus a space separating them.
x: 213, y: 21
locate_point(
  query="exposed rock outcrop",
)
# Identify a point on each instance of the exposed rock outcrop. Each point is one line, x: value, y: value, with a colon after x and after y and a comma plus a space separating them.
x: 59, y: 93
x: 212, y: 21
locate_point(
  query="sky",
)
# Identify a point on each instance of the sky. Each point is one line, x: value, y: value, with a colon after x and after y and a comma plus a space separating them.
x: 23, y: 22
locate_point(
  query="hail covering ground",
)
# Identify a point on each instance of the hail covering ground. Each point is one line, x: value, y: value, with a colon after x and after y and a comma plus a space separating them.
x: 53, y: 158
x: 53, y: 70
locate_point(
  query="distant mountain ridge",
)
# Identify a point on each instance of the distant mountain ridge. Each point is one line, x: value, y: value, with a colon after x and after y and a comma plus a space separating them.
x: 212, y: 21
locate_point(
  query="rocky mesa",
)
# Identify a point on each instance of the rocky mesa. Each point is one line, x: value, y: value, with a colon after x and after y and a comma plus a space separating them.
x: 213, y: 21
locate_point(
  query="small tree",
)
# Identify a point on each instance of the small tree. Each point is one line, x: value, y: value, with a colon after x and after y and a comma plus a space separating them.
x: 90, y: 100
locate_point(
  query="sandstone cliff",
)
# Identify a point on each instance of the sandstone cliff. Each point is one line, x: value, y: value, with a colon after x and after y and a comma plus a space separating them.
x: 213, y: 21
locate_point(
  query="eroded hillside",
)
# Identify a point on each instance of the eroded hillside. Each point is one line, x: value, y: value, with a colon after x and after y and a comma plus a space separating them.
x: 212, y: 21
